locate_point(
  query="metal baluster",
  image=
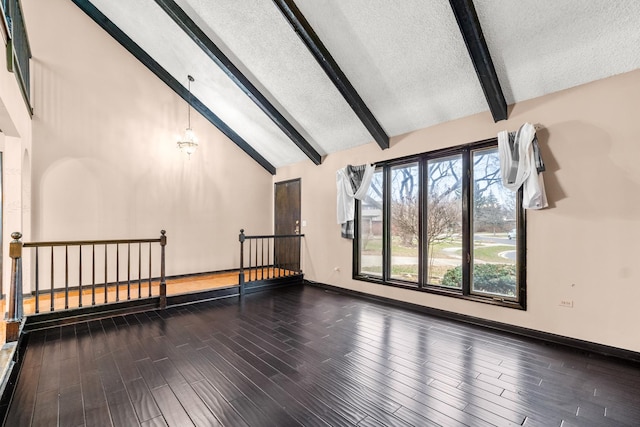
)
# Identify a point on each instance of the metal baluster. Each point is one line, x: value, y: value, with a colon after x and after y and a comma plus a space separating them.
x: 285, y: 261
x: 149, y: 269
x: 290, y: 255
x: 51, y: 294
x: 299, y: 255
x: 139, y: 270
x: 80, y: 277
x: 280, y: 250
x: 256, y: 258
x: 105, y: 273
x: 117, y: 272
x: 37, y: 283
x: 93, y: 274
x: 163, y: 282
x: 241, y: 238
x: 285, y: 264
x: 249, y: 259
x: 262, y: 259
x: 128, y: 271
x: 275, y: 259
x: 292, y: 269
x: 66, y: 277
x: 296, y: 256
x: 269, y: 267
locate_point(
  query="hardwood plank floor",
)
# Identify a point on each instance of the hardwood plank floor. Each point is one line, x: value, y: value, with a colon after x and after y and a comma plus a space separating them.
x: 306, y: 356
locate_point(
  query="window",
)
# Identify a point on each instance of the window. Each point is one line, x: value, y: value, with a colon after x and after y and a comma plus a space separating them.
x: 442, y: 222
x: 370, y: 229
x: 493, y: 259
x: 405, y: 185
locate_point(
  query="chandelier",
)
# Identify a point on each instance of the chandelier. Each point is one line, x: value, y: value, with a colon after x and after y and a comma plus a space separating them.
x: 188, y: 143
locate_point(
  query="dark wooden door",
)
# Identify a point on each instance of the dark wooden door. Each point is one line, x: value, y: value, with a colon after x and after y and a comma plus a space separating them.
x: 287, y: 222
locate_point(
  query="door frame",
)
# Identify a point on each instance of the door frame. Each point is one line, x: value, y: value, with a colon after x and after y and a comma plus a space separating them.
x: 275, y: 207
x: 287, y: 252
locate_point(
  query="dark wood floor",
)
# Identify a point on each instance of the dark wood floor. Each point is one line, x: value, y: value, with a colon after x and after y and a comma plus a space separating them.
x: 305, y: 356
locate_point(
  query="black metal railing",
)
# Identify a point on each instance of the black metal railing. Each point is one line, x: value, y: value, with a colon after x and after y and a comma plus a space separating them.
x: 269, y: 257
x: 86, y: 273
x: 18, y: 48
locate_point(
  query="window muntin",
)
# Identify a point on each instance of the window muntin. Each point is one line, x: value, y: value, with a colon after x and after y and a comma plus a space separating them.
x: 493, y: 253
x: 444, y: 221
x: 370, y: 229
x: 467, y: 180
x: 405, y: 188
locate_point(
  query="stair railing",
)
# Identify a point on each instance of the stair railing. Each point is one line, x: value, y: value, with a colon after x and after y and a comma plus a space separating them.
x: 137, y: 281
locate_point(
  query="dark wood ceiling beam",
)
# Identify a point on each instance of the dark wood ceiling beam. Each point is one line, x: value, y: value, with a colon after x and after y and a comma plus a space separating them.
x: 306, y: 33
x: 469, y: 24
x: 164, y: 75
x: 196, y: 34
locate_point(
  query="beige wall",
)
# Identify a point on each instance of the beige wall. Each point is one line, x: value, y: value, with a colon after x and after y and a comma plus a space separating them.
x: 583, y: 248
x: 105, y: 162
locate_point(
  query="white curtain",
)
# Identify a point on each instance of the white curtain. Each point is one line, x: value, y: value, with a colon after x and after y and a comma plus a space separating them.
x: 521, y: 165
x: 352, y: 182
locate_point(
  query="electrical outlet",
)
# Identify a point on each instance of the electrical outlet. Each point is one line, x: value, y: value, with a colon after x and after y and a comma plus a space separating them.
x: 566, y: 303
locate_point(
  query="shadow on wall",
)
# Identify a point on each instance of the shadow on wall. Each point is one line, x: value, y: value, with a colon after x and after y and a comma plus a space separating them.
x: 553, y: 189
x: 583, y: 175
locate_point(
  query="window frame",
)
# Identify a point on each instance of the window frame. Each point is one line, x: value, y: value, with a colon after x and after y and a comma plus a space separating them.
x: 465, y: 292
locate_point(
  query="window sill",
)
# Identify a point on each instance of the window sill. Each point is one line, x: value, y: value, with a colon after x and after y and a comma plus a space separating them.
x: 454, y: 293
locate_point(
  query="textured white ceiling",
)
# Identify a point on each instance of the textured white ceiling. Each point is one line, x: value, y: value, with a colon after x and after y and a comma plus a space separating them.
x: 263, y: 45
x: 406, y: 59
x: 543, y: 46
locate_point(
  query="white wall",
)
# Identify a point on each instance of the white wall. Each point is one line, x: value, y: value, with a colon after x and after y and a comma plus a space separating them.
x: 583, y: 248
x: 15, y: 141
x: 105, y: 162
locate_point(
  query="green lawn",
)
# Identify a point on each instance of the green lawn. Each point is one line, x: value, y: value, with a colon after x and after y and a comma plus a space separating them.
x: 374, y: 247
x: 484, y: 252
x: 490, y: 253
x: 450, y: 248
x: 410, y: 272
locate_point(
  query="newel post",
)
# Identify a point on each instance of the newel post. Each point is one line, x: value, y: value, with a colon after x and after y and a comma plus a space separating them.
x: 14, y: 316
x: 241, y: 238
x: 163, y: 281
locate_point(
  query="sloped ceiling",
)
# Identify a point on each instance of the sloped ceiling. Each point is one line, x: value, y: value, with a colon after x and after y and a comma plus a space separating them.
x: 406, y: 60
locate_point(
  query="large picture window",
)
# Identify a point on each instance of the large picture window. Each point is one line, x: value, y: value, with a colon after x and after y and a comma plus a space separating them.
x: 443, y: 222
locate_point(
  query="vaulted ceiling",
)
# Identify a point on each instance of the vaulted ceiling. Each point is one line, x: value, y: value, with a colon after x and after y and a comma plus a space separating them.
x: 294, y: 81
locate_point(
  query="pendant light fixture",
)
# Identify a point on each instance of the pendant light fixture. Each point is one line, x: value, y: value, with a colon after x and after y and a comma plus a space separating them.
x: 188, y: 143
